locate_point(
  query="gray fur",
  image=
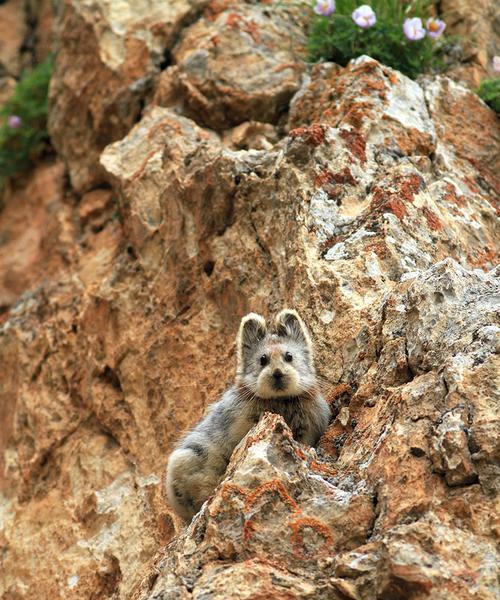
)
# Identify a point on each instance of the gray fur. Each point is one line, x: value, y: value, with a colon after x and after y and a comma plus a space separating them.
x: 199, y: 462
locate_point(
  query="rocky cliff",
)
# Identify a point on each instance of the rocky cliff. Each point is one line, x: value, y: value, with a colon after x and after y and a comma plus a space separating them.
x: 203, y: 171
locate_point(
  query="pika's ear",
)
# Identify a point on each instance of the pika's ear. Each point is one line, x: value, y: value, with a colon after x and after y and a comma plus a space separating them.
x: 288, y: 323
x: 252, y: 330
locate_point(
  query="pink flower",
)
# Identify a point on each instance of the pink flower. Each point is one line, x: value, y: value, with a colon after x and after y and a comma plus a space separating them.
x: 435, y: 27
x: 14, y: 121
x: 364, y: 16
x: 496, y: 64
x: 413, y: 29
x: 324, y: 7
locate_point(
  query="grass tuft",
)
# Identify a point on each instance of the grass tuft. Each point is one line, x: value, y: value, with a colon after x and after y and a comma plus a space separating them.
x: 339, y: 39
x: 23, y: 122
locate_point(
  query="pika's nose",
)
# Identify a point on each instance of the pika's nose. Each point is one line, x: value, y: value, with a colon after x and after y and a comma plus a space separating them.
x: 277, y: 375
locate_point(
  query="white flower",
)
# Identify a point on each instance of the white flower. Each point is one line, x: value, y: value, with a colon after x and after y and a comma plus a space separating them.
x: 324, y: 7
x: 364, y: 16
x: 413, y: 29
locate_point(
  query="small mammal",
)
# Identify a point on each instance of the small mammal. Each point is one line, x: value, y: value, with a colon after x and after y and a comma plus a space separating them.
x: 275, y: 372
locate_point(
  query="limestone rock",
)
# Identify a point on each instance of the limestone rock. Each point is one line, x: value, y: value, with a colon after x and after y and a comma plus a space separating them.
x: 477, y: 27
x: 450, y: 448
x: 458, y: 146
x: 13, y: 30
x: 384, y: 107
x: 235, y: 65
x: 28, y: 254
x: 251, y: 135
x: 412, y: 534
x: 106, y: 506
x: 281, y: 512
x: 107, y: 56
x: 380, y: 229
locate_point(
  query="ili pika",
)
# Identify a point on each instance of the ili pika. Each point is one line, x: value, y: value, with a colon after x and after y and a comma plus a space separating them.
x: 275, y: 372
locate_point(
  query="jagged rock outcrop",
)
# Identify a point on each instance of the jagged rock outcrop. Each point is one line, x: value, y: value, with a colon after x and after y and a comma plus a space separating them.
x: 272, y: 527
x: 367, y: 202
x: 107, y: 57
x: 235, y: 65
x: 25, y: 39
x: 13, y: 29
x: 478, y: 29
x: 28, y: 254
x: 405, y: 510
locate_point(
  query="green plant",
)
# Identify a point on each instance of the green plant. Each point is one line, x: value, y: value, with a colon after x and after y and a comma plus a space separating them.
x: 394, y: 35
x: 489, y: 91
x: 23, y: 122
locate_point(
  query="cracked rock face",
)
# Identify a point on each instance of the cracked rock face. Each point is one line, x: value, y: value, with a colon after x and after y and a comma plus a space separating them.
x: 277, y: 519
x: 108, y: 54
x: 479, y: 34
x: 450, y: 448
x: 405, y: 509
x: 12, y: 32
x: 234, y: 64
x: 362, y: 199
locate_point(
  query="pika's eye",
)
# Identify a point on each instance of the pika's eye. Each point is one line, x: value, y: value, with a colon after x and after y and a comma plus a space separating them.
x: 288, y: 357
x: 264, y: 360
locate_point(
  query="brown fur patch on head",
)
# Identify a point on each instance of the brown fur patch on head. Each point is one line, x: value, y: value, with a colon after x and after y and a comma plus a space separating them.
x: 275, y: 350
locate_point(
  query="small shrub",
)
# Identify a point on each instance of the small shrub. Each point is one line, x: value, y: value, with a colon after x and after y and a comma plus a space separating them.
x: 390, y: 31
x: 489, y: 91
x: 23, y: 122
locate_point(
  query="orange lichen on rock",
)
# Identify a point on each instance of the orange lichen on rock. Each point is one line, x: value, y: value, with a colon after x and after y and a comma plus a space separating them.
x: 287, y: 65
x: 412, y: 141
x: 357, y: 114
x: 355, y: 142
x: 252, y: 28
x: 368, y: 66
x: 249, y: 26
x: 322, y: 468
x: 327, y: 177
x: 409, y: 186
x: 330, y: 242
x: 451, y: 196
x: 484, y: 258
x: 473, y: 187
x: 377, y: 246
x: 313, y: 135
x: 432, y: 219
x: 215, y: 7
x: 391, y: 75
x: 228, y: 489
x: 234, y: 20
x: 394, y: 198
x: 300, y: 453
x: 377, y: 86
x: 385, y: 201
x: 297, y: 526
x: 342, y: 390
x: 267, y: 488
x: 271, y: 487
x: 215, y: 40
